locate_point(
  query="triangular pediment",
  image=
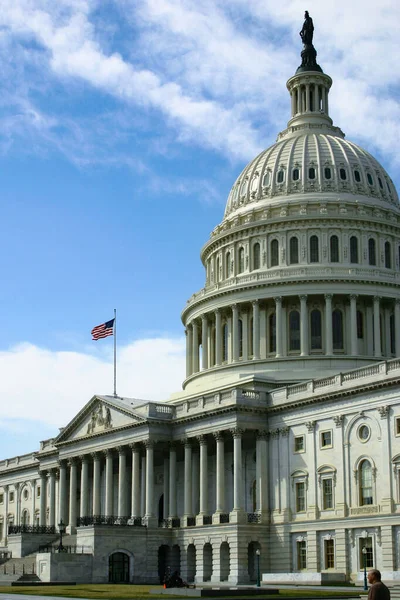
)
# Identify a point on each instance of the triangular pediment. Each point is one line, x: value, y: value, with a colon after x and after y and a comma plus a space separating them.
x: 99, y: 416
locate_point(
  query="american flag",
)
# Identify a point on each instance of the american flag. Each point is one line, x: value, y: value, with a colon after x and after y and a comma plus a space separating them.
x: 103, y: 330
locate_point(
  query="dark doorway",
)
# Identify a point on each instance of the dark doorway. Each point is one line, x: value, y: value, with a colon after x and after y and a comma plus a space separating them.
x: 163, y: 554
x: 118, y: 568
x: 161, y: 508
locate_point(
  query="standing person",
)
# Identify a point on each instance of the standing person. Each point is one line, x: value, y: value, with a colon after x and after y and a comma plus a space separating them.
x: 378, y: 590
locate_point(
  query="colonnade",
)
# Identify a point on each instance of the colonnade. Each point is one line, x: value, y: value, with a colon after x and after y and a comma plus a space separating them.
x: 259, y: 330
x: 309, y: 97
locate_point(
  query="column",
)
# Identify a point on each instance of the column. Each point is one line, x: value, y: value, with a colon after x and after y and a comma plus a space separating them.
x: 307, y: 97
x: 166, y: 487
x: 203, y: 475
x: 72, y: 493
x: 218, y: 338
x: 220, y: 471
x: 135, y: 499
x: 5, y: 514
x: 195, y: 347
x: 353, y: 325
x: 204, y: 344
x: 298, y: 100
x: 377, y: 327
x: 397, y: 326
x: 43, y: 490
x: 262, y: 473
x: 63, y: 491
x: 84, y: 486
x: 195, y: 481
x: 235, y: 333
x: 52, y: 498
x: 109, y: 483
x: 143, y: 486
x: 122, y: 512
x: 188, y: 479
x: 256, y: 330
x: 17, y: 487
x: 96, y: 484
x: 328, y: 324
x: 293, y: 98
x: 237, y: 471
x: 278, y: 321
x: 188, y: 334
x: 172, y: 480
x: 33, y: 505
x: 304, y: 345
x: 149, y: 478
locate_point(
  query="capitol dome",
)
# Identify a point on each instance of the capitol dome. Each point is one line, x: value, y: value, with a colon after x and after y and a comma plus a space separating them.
x: 303, y: 272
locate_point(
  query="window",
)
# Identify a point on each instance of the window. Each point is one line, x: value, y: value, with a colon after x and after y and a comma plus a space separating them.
x: 1, y: 498
x: 243, y: 189
x: 11, y: 497
x: 360, y: 325
x: 314, y: 250
x: 272, y: 333
x: 357, y: 176
x: 301, y: 555
x: 256, y: 256
x: 225, y: 342
x: 364, y: 433
x: 326, y: 439
x: 388, y: 255
x: 266, y: 179
x: 281, y: 176
x: 294, y: 330
x: 328, y: 173
x: 296, y: 174
x: 343, y: 174
x: 228, y: 264
x: 353, y: 249
x: 371, y: 251
x: 380, y: 183
x: 365, y: 483
x: 370, y: 180
x: 299, y: 442
x: 240, y: 323
x: 274, y: 253
x: 334, y: 247
x: 26, y: 494
x: 397, y: 427
x: 337, y: 329
x: 300, y: 496
x: 316, y: 329
x: 241, y: 260
x: 311, y: 173
x: 327, y: 494
x: 38, y: 491
x: 329, y: 553
x: 366, y: 557
x: 294, y: 250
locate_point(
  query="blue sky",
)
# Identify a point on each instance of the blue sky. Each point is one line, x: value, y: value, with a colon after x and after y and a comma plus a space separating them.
x: 123, y: 125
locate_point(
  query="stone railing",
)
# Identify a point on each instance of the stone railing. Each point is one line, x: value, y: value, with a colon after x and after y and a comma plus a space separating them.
x: 373, y: 373
x: 253, y: 517
x: 370, y: 509
x: 224, y: 518
x: 169, y: 523
x: 109, y: 520
x: 234, y: 396
x: 36, y: 529
x: 67, y: 549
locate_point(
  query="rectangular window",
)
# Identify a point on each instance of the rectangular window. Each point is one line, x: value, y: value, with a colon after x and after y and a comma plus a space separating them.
x: 1, y: 498
x: 366, y: 553
x: 326, y: 439
x: 11, y: 498
x: 38, y: 491
x: 397, y: 425
x: 327, y: 494
x: 301, y: 555
x: 299, y: 443
x: 329, y: 551
x: 300, y: 496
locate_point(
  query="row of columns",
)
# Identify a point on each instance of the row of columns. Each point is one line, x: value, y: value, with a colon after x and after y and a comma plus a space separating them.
x: 301, y: 96
x: 212, y: 347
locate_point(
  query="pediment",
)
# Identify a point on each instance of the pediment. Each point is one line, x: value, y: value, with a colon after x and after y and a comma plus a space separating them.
x: 97, y: 417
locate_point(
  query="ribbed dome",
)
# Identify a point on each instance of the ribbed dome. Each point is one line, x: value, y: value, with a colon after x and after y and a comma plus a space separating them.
x: 306, y: 163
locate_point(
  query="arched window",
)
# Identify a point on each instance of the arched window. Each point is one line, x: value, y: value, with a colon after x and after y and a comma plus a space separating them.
x: 314, y: 250
x: 343, y: 174
x: 311, y: 173
x: 266, y: 179
x: 337, y: 329
x: 25, y: 517
x: 294, y: 250
x: 217, y: 269
x: 294, y: 330
x: 360, y: 325
x: 272, y: 333
x: 353, y: 249
x: 241, y: 260
x: 365, y: 478
x: 228, y: 270
x: 334, y: 248
x: 370, y: 180
x: 388, y: 255
x: 328, y: 173
x: 256, y: 256
x: 281, y: 176
x: 357, y: 176
x: 296, y: 174
x: 380, y: 183
x: 371, y: 251
x: 240, y: 338
x: 316, y: 330
x: 225, y: 342
x: 243, y: 189
x: 274, y: 253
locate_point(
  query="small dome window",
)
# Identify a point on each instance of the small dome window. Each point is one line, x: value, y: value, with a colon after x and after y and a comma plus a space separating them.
x: 357, y: 176
x: 343, y: 174
x: 236, y: 192
x: 296, y: 174
x: 380, y: 183
x: 328, y: 173
x: 388, y: 187
x: 311, y: 173
x: 370, y: 180
x: 281, y: 176
x: 243, y: 189
x: 266, y: 179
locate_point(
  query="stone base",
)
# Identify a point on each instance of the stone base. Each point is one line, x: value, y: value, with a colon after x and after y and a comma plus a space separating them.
x: 150, y: 521
x: 305, y: 577
x: 238, y: 516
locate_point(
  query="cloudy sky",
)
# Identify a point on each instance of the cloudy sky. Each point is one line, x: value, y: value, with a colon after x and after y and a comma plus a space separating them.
x: 123, y: 124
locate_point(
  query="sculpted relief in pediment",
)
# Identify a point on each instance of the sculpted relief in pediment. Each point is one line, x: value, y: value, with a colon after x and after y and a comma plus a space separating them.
x: 100, y: 419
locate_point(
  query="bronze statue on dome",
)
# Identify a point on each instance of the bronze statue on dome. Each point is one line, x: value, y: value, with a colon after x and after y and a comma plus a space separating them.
x: 309, y: 53
x: 307, y: 30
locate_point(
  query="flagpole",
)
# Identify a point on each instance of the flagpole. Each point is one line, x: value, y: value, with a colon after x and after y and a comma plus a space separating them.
x: 115, y: 352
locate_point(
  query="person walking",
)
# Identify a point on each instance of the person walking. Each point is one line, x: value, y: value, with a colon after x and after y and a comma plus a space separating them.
x: 378, y: 590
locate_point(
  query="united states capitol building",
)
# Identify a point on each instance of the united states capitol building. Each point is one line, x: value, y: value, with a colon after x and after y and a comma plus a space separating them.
x: 284, y: 444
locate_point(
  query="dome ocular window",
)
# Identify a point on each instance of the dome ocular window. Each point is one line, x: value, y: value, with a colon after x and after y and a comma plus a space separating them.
x: 311, y: 173
x: 343, y: 174
x: 357, y: 176
x: 281, y: 176
x: 334, y: 248
x: 266, y: 179
x: 328, y: 173
x: 369, y: 178
x: 296, y: 174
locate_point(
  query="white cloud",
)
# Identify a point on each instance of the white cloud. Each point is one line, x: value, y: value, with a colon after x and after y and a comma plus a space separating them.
x: 50, y: 387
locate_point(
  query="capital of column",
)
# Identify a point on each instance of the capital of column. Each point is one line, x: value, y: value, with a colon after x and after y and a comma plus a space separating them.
x: 5, y: 487
x: 377, y: 299
x: 262, y: 434
x: 149, y: 443
x: 51, y: 473
x: 202, y: 440
x: 121, y: 450
x: 218, y: 435
x: 353, y: 297
x: 303, y: 298
x: 278, y: 299
x: 234, y: 307
x: 62, y: 463
x: 397, y: 301
x: 203, y: 319
x: 95, y: 455
x: 284, y: 431
x: 236, y: 432
x: 134, y: 446
x: 255, y: 303
x: 42, y: 474
x: 84, y: 458
x: 108, y: 452
x: 187, y: 442
x: 328, y: 296
x: 73, y: 461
